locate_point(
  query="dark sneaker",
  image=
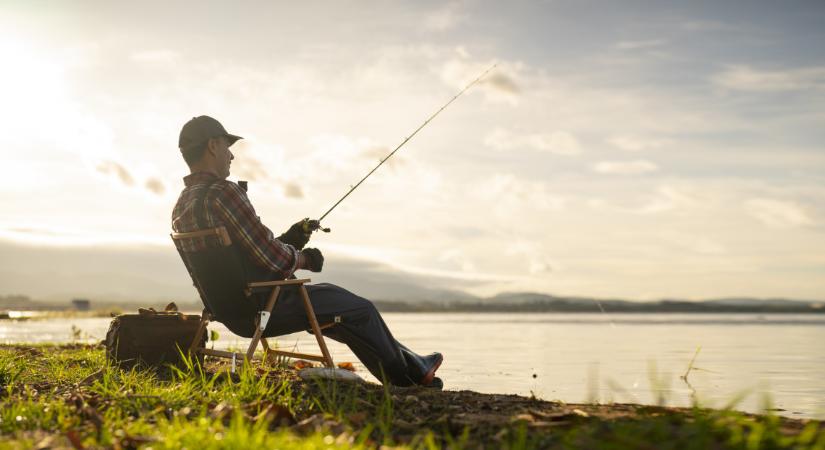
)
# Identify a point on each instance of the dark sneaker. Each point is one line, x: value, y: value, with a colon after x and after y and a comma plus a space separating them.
x: 437, y: 384
x: 430, y: 364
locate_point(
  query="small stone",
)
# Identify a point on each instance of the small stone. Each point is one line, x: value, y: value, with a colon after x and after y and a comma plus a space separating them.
x: 581, y: 413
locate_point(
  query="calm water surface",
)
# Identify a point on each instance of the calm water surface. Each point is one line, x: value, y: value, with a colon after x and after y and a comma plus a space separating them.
x: 587, y: 357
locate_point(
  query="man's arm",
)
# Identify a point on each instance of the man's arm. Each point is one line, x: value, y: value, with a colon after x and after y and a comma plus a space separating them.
x: 246, y: 228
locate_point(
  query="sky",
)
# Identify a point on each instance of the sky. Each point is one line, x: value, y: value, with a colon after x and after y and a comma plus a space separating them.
x: 638, y: 150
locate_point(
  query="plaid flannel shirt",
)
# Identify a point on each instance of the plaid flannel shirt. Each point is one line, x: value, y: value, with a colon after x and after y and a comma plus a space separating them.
x: 228, y: 205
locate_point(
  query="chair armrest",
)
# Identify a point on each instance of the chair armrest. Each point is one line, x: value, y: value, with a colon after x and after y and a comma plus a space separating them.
x: 262, y: 284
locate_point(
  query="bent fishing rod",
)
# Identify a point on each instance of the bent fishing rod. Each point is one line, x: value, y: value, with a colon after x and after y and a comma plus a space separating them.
x: 314, y: 225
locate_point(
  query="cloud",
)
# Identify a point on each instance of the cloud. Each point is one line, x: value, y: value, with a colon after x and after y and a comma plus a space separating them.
x: 777, y: 213
x: 127, y: 178
x: 249, y: 168
x: 457, y: 257
x: 113, y: 168
x: 746, y: 78
x: 376, y: 153
x: 557, y: 142
x: 694, y: 243
x: 664, y: 199
x: 293, y: 190
x: 514, y: 194
x: 635, y: 143
x: 708, y: 25
x: 37, y: 231
x: 77, y: 236
x: 155, y: 186
x: 640, y: 44
x: 465, y: 232
x: 158, y: 56
x: 499, y: 85
x: 337, y: 152
x: 537, y: 262
x: 637, y: 167
x: 445, y: 18
x: 501, y: 82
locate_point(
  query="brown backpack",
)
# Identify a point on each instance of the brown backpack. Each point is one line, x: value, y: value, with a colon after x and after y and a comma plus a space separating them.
x: 151, y: 338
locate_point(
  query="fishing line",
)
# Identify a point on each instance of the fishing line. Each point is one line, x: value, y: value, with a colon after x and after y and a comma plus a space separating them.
x: 317, y: 225
x: 601, y: 308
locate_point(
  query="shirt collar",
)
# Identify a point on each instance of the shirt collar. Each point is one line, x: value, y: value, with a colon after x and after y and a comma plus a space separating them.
x: 198, y: 178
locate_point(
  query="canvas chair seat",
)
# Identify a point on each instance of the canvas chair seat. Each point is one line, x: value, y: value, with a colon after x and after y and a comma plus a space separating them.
x: 222, y: 277
x: 222, y: 280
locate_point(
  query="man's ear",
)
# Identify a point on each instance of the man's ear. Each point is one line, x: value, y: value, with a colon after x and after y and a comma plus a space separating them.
x: 212, y: 146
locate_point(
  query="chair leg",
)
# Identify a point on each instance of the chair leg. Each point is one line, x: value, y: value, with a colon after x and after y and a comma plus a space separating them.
x: 313, y: 322
x: 261, y: 322
x: 267, y: 350
x: 205, y: 317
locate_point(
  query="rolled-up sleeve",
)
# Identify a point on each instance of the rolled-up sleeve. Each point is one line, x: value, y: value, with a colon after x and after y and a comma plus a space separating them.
x: 246, y: 228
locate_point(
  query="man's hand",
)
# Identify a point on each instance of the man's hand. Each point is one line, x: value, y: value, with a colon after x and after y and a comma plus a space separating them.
x: 314, y: 260
x: 296, y: 235
x: 311, y: 225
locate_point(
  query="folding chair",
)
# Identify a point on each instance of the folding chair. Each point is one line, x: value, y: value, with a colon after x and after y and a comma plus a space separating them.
x: 218, y: 272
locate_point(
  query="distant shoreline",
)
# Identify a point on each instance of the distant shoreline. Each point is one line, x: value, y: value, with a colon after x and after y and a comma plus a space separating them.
x: 402, y: 308
x: 606, y: 307
x: 503, y: 303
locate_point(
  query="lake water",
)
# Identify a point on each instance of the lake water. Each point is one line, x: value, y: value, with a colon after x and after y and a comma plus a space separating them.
x: 586, y: 357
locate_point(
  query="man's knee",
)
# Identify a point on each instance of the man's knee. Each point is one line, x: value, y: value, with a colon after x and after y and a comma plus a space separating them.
x: 325, y: 292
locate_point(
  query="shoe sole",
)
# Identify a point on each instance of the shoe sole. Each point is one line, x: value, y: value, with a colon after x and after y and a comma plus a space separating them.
x: 428, y: 378
x: 437, y: 384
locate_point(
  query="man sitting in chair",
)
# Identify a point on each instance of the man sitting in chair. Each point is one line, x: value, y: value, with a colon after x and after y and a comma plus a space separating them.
x: 209, y: 200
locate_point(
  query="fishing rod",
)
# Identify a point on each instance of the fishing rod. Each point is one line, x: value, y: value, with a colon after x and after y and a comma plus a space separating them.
x: 313, y: 225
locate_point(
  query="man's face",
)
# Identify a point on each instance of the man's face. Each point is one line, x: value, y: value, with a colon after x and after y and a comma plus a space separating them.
x: 223, y: 156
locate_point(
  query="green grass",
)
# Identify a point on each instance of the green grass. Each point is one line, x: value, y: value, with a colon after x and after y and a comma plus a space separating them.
x: 69, y: 397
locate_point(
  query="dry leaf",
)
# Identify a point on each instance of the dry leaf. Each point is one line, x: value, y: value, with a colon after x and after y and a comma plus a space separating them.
x: 301, y: 364
x: 346, y: 366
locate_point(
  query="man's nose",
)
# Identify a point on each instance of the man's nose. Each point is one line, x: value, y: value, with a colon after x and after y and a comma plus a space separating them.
x: 231, y: 155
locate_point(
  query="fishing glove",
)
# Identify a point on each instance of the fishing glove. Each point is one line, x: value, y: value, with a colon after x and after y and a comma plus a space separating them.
x: 297, y: 235
x: 313, y: 259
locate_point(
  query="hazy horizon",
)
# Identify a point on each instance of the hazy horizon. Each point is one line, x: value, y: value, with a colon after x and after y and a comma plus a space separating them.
x: 640, y: 152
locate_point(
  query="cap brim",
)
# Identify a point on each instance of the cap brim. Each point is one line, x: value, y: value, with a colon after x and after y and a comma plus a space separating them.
x: 232, y: 138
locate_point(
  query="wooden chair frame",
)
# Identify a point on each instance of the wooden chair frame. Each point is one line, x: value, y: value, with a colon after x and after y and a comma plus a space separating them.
x: 263, y: 316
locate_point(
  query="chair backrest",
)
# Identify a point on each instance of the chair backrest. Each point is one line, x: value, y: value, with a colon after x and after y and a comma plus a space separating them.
x: 218, y: 271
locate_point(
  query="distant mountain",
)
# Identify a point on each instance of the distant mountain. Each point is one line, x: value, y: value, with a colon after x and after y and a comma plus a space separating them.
x: 154, y: 274
x: 532, y: 301
x: 761, y: 301
x: 535, y: 297
x: 8, y: 302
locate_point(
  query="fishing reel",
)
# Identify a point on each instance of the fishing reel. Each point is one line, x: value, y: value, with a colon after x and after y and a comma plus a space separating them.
x: 310, y: 226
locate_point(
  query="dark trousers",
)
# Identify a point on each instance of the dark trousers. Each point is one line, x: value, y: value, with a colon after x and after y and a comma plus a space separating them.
x: 361, y: 328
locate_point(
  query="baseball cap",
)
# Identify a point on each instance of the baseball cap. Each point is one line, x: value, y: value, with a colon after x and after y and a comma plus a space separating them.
x: 199, y: 130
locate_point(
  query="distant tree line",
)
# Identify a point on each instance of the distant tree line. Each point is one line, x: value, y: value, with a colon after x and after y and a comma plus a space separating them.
x: 612, y: 306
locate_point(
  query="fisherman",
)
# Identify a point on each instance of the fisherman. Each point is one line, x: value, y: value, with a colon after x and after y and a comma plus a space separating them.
x: 209, y: 200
